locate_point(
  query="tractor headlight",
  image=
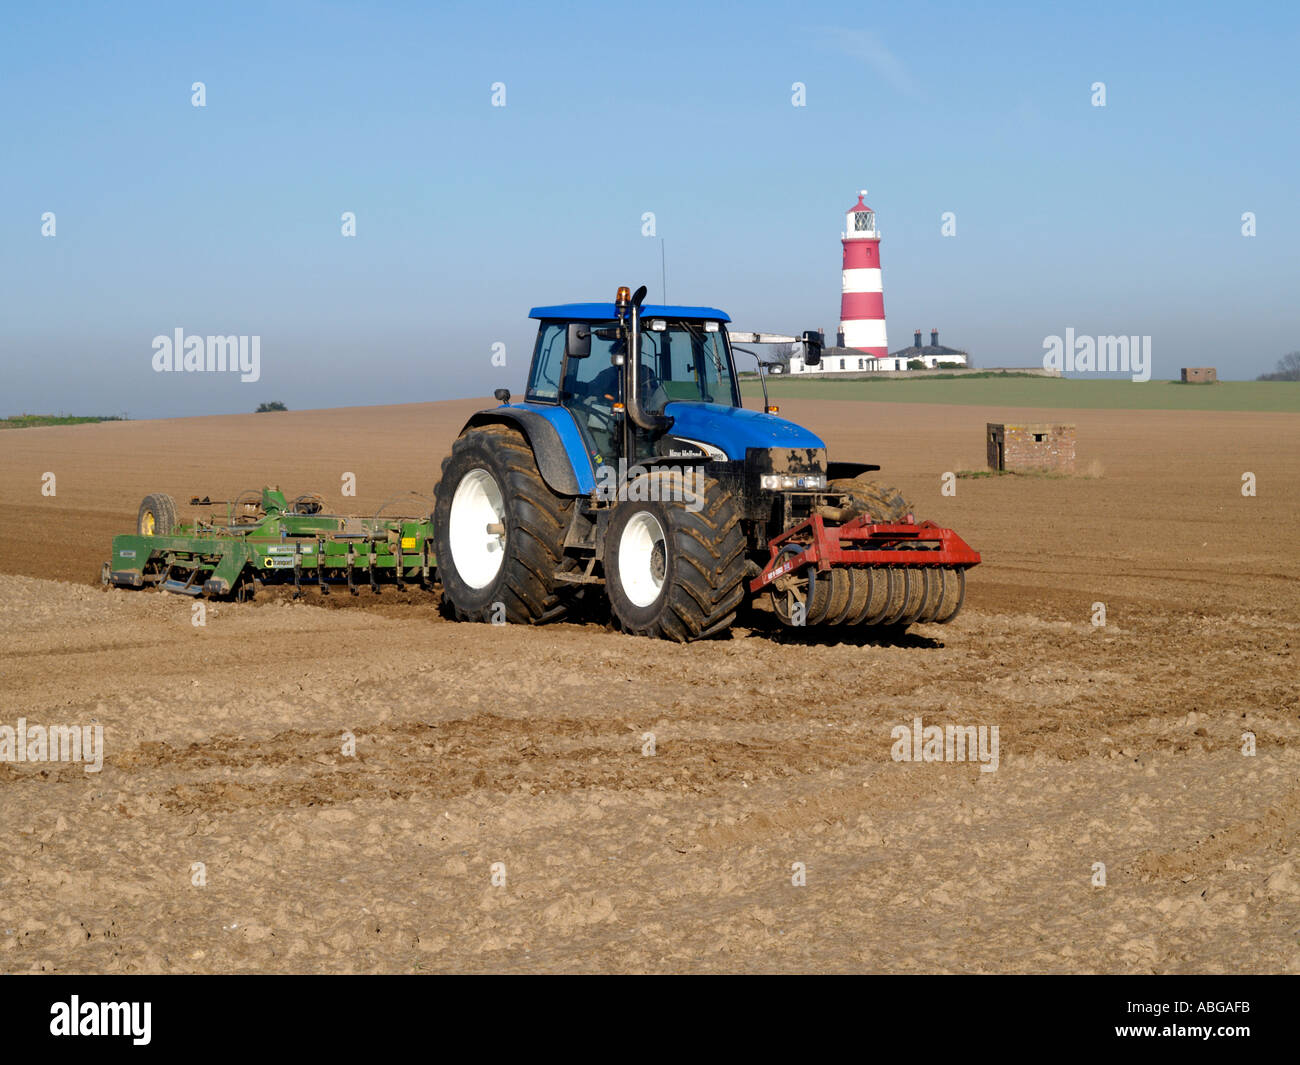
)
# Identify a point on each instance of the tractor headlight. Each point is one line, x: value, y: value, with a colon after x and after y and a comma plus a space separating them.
x: 792, y: 482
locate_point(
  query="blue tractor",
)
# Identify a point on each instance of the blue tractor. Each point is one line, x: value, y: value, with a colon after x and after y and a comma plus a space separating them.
x: 632, y: 469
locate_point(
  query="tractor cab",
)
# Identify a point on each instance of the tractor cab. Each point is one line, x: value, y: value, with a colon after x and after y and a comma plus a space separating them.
x: 627, y: 374
x: 582, y: 362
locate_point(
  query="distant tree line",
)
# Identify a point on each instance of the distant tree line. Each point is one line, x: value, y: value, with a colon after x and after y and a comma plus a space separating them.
x: 275, y: 404
x: 27, y: 421
x: 1288, y: 369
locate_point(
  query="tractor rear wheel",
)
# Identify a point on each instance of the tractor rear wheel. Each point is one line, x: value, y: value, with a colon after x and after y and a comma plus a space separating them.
x: 675, y: 558
x: 882, y: 501
x: 499, y: 531
x: 157, y: 515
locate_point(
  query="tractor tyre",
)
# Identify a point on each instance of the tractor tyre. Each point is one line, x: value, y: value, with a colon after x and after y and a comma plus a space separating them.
x: 499, y: 531
x: 157, y: 516
x: 675, y: 558
x: 883, y: 502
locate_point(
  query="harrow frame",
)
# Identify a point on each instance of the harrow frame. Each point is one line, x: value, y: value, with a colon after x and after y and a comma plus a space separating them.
x: 823, y: 547
x: 865, y: 572
x: 282, y: 547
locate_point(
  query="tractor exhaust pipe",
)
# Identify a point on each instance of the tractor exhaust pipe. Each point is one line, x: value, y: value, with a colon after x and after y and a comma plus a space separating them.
x: 632, y: 369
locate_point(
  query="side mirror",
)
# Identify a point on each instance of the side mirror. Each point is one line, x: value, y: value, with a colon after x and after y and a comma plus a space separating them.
x: 813, y: 342
x: 503, y: 394
x: 577, y: 345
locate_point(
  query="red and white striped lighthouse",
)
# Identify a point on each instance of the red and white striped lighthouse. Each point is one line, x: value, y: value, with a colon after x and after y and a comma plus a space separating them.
x: 862, y: 307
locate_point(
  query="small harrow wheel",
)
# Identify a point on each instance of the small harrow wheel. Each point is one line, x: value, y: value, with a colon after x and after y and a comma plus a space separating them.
x: 308, y: 503
x: 793, y: 591
x: 248, y: 507
x: 157, y: 516
x: 805, y: 597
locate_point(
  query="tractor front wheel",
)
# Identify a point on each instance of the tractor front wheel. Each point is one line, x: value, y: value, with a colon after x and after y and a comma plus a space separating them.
x: 675, y: 557
x: 499, y: 531
x: 862, y: 496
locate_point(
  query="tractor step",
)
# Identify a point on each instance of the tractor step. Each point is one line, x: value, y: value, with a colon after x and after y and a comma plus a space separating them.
x: 579, y: 578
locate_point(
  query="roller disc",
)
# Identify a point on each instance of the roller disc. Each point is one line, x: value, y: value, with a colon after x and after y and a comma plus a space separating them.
x: 897, y: 596
x: 859, y: 594
x: 841, y: 598
x: 933, y: 592
x: 879, y: 595
x: 954, y: 595
x: 820, y: 600
x: 914, y: 582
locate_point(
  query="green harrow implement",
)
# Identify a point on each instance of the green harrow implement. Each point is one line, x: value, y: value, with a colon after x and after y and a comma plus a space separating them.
x: 268, y: 539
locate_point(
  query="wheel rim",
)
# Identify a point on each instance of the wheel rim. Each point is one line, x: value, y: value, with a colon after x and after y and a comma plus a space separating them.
x: 642, y: 558
x: 147, y: 525
x: 477, y: 549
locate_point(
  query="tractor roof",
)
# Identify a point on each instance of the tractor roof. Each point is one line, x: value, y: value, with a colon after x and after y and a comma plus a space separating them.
x: 600, y: 312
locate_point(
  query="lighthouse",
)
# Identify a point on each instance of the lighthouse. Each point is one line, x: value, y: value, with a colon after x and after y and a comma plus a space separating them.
x: 862, y: 305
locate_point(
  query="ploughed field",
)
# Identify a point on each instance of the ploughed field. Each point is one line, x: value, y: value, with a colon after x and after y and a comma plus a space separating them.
x: 773, y: 752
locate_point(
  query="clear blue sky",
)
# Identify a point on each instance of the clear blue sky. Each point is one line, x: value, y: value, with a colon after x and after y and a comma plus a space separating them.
x: 226, y: 219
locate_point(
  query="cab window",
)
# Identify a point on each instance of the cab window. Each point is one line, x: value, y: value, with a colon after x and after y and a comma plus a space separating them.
x: 687, y: 363
x: 591, y: 388
x: 548, y: 363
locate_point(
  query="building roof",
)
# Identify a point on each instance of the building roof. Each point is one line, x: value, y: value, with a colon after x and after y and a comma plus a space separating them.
x: 603, y: 312
x: 906, y: 353
x: 828, y: 352
x: 860, y: 206
x: 931, y: 350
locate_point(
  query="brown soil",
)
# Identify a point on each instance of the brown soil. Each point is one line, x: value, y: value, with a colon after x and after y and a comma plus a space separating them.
x: 478, y: 744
